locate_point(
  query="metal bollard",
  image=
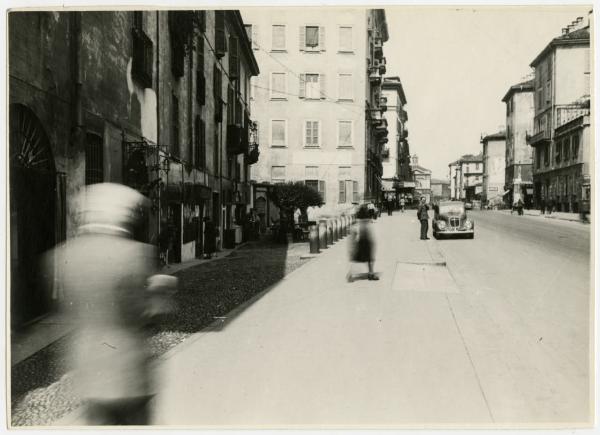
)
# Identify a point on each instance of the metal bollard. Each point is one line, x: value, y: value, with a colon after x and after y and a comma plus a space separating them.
x: 336, y: 235
x: 323, y: 234
x: 329, y: 232
x: 313, y: 238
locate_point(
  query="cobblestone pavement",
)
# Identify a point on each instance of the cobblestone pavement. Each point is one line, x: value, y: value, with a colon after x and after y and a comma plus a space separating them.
x: 42, y: 390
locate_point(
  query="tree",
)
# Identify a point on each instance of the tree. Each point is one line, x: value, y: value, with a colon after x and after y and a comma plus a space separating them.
x: 291, y: 196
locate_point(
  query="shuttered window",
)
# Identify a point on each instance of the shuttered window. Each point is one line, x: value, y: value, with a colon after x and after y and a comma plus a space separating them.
x: 355, y: 195
x: 234, y: 58
x: 175, y: 125
x: 220, y: 36
x: 312, y: 38
x: 342, y: 192
x: 200, y: 152
x: 278, y: 37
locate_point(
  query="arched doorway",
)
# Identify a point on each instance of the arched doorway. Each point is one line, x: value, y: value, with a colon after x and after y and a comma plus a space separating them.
x: 32, y: 214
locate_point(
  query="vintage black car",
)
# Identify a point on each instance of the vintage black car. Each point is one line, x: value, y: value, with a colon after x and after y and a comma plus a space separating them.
x: 450, y: 219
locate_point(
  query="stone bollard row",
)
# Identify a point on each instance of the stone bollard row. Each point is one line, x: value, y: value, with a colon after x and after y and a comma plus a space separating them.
x: 313, y: 239
x: 336, y: 235
x: 322, y: 234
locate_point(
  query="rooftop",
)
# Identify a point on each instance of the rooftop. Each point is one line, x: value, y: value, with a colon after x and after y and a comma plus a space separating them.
x: 575, y: 37
x: 469, y: 158
x: 439, y: 181
x: 519, y: 87
x: 501, y: 135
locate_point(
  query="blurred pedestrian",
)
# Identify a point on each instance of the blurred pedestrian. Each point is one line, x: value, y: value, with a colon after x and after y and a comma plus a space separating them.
x: 542, y: 206
x: 402, y: 202
x: 105, y: 277
x: 423, y: 217
x: 210, y: 237
x: 520, y: 207
x: 362, y: 245
x: 390, y: 206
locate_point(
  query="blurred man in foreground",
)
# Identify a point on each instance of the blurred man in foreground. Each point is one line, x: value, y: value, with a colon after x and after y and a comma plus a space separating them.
x: 106, y: 277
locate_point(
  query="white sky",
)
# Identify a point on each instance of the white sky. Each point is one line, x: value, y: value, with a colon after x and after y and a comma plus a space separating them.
x: 457, y: 64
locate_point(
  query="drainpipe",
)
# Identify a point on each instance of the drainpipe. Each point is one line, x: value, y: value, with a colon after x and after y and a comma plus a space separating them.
x: 77, y: 111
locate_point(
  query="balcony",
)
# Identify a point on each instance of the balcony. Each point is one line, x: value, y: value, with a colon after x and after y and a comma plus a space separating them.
x: 253, y: 154
x: 378, y: 48
x: 383, y: 104
x: 539, y: 138
x: 374, y: 76
x: 381, y: 65
x: 569, y: 112
x: 235, y: 142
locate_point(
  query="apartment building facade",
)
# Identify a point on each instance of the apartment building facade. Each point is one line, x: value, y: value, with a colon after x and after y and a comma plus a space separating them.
x: 318, y: 101
x: 518, y: 176
x: 396, y: 153
x: 561, y: 134
x: 494, y: 167
x: 131, y: 97
x: 466, y: 177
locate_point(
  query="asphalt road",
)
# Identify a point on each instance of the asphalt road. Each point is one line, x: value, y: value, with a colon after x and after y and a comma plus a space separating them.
x: 489, y: 332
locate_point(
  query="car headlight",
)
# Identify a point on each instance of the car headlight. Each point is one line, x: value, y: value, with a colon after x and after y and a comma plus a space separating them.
x: 441, y: 225
x: 468, y: 225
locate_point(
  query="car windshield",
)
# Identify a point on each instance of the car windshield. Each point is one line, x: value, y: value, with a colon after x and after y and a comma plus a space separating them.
x: 452, y: 208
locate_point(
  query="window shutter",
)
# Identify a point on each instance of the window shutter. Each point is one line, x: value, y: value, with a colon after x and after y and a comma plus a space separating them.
x: 322, y: 189
x: 254, y: 37
x: 301, y: 91
x: 322, y: 38
x: 320, y: 137
x: 322, y: 86
x: 302, y: 38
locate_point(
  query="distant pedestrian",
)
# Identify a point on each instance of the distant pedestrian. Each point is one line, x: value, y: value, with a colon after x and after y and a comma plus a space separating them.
x: 542, y: 207
x: 520, y: 207
x: 362, y: 245
x: 371, y: 210
x: 210, y: 237
x: 390, y: 206
x: 402, y: 202
x: 110, y: 291
x: 423, y: 217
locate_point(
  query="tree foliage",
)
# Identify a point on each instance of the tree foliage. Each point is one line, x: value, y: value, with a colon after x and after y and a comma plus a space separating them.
x: 294, y: 194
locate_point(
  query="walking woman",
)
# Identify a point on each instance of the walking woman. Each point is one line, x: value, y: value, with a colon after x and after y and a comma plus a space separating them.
x: 361, y: 245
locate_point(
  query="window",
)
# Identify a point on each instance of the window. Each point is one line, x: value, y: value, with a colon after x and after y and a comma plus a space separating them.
x: 277, y: 174
x: 143, y: 53
x: 200, y: 79
x: 312, y: 38
x: 252, y: 33
x: 234, y: 58
x: 546, y: 155
x: 344, y: 134
x: 278, y: 86
x: 345, y: 91
x: 278, y: 133
x: 566, y: 149
x: 220, y: 36
x: 345, y: 39
x: 312, y: 133
x: 278, y: 38
x: 200, y: 153
x: 575, y: 145
x: 538, y: 157
x: 177, y: 45
x: 557, y: 152
x: 94, y: 159
x: 312, y: 86
x: 548, y: 93
x: 342, y: 191
x: 175, y: 125
x: 355, y: 195
x: 216, y: 150
x: 477, y: 166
